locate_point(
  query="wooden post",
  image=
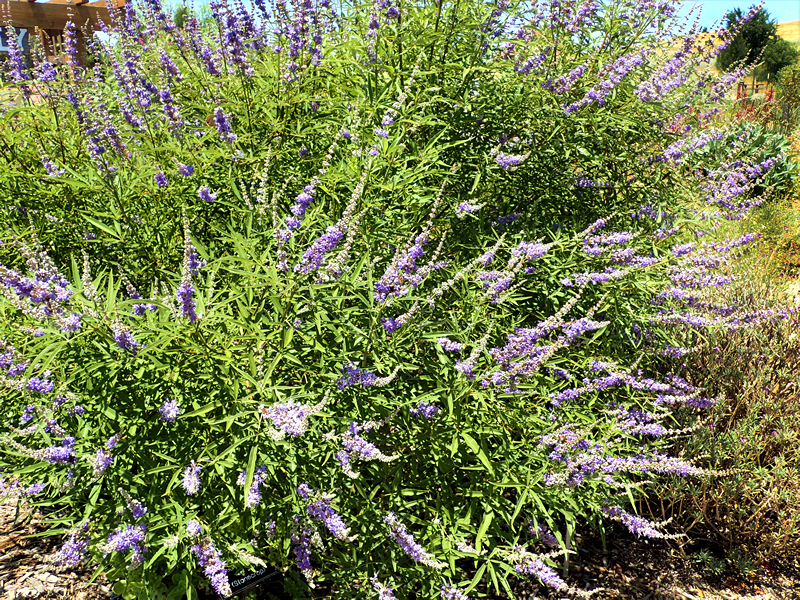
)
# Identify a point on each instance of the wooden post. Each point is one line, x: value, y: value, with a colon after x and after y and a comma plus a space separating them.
x: 55, y: 16
x: 51, y: 18
x: 48, y: 38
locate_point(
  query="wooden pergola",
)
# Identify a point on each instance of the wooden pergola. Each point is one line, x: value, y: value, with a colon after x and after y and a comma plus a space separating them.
x: 48, y: 20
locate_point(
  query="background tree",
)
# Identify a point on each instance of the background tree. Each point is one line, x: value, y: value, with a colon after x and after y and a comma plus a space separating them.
x: 751, y: 39
x: 779, y: 54
x: 180, y: 16
x: 789, y: 84
x: 789, y: 92
x: 733, y: 54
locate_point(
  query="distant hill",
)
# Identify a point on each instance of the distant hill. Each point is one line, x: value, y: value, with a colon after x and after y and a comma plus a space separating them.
x: 790, y: 31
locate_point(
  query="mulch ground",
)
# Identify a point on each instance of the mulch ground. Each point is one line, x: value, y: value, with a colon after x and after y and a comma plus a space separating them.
x: 633, y: 568
x: 628, y: 569
x: 23, y: 574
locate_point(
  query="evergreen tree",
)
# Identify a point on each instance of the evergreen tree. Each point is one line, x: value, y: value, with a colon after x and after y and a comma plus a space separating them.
x: 779, y: 54
x: 750, y: 41
x: 180, y: 16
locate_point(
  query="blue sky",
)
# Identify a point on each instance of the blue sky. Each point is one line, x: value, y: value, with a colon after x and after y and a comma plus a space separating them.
x: 713, y: 10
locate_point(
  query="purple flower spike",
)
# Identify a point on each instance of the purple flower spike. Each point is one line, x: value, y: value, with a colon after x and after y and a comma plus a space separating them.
x: 206, y: 194
x: 191, y: 479
x: 390, y: 324
x: 27, y: 414
x: 424, y: 410
x: 138, y: 511
x: 320, y: 509
x: 61, y: 455
x: 40, y: 385
x: 75, y: 550
x: 301, y: 546
x: 193, y: 529
x: 213, y: 566
x: 223, y: 124
x: 353, y: 375
x: 507, y: 161
x: 123, y: 337
x: 129, y: 537
x: 636, y: 525
x: 34, y: 490
x: 451, y: 592
x: 191, y: 265
x: 409, y: 545
x: 543, y: 533
x: 290, y: 418
x: 448, y: 345
x: 467, y: 208
x: 185, y: 170
x: 185, y: 297
x: 313, y: 257
x: 170, y: 410
x: 254, y: 493
x: 384, y: 591
x: 534, y: 566
x: 196, y: 263
x: 101, y: 461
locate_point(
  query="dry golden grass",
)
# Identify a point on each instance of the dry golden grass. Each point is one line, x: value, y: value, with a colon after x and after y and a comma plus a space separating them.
x: 790, y: 31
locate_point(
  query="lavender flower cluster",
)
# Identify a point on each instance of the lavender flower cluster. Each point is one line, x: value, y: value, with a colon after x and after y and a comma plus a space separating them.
x: 404, y: 275
x: 355, y: 447
x: 214, y: 568
x: 128, y: 538
x: 637, y: 525
x: 75, y: 549
x: 319, y: 508
x: 352, y: 375
x: 44, y: 294
x: 409, y: 545
x: 191, y: 266
x: 170, y: 410
x: 290, y: 418
x: 301, y: 546
x: 532, y: 565
x: 424, y: 410
x: 384, y: 591
x: 448, y: 345
x: 191, y: 479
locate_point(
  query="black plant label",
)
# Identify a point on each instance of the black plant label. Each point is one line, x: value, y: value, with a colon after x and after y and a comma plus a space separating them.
x: 242, y: 582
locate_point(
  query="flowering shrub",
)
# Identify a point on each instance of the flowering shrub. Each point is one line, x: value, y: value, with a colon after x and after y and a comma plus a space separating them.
x: 751, y: 513
x: 379, y: 299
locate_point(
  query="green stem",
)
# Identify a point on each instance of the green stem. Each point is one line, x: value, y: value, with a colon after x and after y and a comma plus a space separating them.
x: 436, y: 26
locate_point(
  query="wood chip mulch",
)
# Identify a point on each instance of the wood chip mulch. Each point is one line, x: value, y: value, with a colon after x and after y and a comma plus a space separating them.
x: 629, y: 569
x: 23, y: 573
x: 635, y: 569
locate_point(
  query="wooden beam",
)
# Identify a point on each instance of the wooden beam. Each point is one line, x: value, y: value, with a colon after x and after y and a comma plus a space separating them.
x: 73, y: 2
x: 104, y: 4
x: 54, y: 16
